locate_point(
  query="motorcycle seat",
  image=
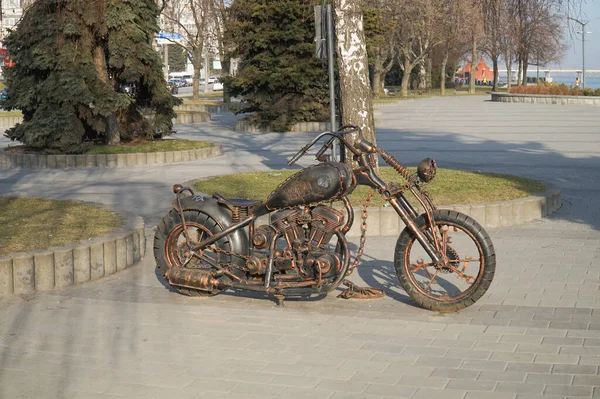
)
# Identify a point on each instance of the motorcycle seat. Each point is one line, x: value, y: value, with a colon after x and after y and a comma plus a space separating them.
x: 236, y: 202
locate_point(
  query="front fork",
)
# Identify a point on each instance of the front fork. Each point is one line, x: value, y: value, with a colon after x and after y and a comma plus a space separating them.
x: 408, y: 214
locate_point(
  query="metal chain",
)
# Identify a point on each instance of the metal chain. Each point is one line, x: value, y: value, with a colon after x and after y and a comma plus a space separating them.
x: 363, y: 232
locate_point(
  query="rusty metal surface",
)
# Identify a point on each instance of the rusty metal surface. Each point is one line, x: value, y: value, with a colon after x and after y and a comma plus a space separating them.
x: 302, y: 250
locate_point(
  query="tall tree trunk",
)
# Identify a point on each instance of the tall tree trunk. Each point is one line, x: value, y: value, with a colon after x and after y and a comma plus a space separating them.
x: 443, y: 67
x: 525, y: 66
x: 422, y: 78
x: 428, y: 67
x: 377, y: 68
x: 110, y: 122
x: 509, y: 62
x: 495, y: 66
x: 198, y: 63
x: 226, y: 69
x: 473, y: 66
x: 405, y: 77
x: 520, y: 72
x: 356, y: 102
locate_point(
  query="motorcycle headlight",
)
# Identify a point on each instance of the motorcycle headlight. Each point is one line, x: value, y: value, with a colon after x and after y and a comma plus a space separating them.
x: 426, y: 169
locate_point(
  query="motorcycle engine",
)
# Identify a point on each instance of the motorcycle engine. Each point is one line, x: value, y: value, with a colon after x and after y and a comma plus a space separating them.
x: 306, y: 234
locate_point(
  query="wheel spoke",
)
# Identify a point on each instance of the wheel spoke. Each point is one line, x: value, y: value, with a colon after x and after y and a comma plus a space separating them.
x: 432, y: 279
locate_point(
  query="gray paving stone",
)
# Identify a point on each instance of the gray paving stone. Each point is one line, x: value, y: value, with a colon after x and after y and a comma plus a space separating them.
x: 343, y: 386
x: 567, y: 390
x: 489, y: 395
x: 426, y: 393
x: 529, y: 367
x: 574, y: 369
x: 261, y: 390
x: 474, y: 364
x: 455, y: 373
x: 516, y: 387
x: 439, y: 361
x: 392, y: 391
x: 592, y: 380
x: 303, y: 393
x: 516, y: 376
x: 471, y: 385
x: 550, y: 379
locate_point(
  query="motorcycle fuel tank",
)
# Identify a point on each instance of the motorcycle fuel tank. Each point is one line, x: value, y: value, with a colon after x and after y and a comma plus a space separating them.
x: 322, y: 182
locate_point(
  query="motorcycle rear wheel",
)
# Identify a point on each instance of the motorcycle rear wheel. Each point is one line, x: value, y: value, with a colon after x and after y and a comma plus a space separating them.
x: 170, y: 245
x: 471, y: 260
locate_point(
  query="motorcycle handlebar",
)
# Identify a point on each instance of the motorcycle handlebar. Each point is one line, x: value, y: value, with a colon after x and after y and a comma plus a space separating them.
x: 339, y: 134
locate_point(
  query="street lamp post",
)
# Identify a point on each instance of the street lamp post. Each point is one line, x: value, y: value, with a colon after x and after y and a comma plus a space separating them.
x: 583, y: 32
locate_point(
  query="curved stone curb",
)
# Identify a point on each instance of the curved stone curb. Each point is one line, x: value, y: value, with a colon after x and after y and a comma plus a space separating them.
x: 16, y: 160
x: 243, y: 125
x: 544, y: 99
x: 384, y: 221
x: 25, y: 273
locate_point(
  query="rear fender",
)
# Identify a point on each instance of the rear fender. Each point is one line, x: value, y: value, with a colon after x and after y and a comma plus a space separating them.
x: 222, y: 215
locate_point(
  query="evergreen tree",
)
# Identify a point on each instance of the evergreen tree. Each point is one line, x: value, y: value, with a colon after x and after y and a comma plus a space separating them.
x: 279, y: 78
x: 86, y: 72
x: 177, y: 58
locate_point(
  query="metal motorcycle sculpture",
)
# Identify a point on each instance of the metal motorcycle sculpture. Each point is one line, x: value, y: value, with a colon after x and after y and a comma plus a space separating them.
x: 444, y: 259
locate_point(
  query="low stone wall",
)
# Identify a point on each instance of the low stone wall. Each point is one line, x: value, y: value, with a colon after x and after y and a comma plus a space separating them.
x: 16, y: 160
x: 210, y: 108
x: 243, y: 125
x: 7, y: 122
x: 191, y: 117
x: 384, y: 221
x: 25, y: 273
x: 544, y: 99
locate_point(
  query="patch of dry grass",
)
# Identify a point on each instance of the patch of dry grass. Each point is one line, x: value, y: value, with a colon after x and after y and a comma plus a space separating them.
x: 449, y: 186
x: 30, y: 224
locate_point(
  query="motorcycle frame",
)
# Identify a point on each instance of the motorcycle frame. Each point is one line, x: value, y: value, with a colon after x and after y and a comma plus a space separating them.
x: 366, y: 175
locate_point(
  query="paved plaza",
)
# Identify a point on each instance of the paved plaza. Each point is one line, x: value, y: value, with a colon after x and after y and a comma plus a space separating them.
x: 535, y: 334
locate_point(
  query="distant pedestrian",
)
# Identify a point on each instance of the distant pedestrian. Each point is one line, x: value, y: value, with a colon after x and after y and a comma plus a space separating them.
x: 577, y: 82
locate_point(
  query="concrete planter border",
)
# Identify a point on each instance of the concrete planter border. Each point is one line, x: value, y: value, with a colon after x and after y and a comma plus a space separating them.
x: 210, y: 108
x: 15, y: 160
x: 192, y: 117
x: 243, y: 125
x: 384, y: 220
x: 545, y: 99
x: 189, y: 114
x: 45, y: 270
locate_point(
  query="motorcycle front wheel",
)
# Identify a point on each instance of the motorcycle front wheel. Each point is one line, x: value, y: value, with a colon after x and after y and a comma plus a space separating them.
x: 467, y: 274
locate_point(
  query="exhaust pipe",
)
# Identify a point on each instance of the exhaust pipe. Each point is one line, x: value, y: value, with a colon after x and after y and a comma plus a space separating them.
x: 191, y: 278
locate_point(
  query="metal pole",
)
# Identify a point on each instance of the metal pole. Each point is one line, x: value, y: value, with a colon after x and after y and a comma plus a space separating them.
x: 583, y: 56
x: 330, y: 56
x: 166, y: 61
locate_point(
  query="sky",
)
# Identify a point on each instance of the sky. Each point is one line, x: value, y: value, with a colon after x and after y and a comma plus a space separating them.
x: 590, y: 10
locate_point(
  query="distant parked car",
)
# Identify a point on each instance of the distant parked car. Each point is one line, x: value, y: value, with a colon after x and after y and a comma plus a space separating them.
x: 3, y: 94
x: 217, y: 86
x: 177, y: 82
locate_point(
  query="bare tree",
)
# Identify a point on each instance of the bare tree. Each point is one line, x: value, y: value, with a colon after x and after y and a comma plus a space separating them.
x: 416, y: 34
x: 379, y: 29
x: 456, y: 28
x: 192, y: 19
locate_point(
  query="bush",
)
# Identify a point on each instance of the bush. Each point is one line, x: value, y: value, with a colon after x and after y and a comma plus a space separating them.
x: 279, y: 79
x: 554, y: 89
